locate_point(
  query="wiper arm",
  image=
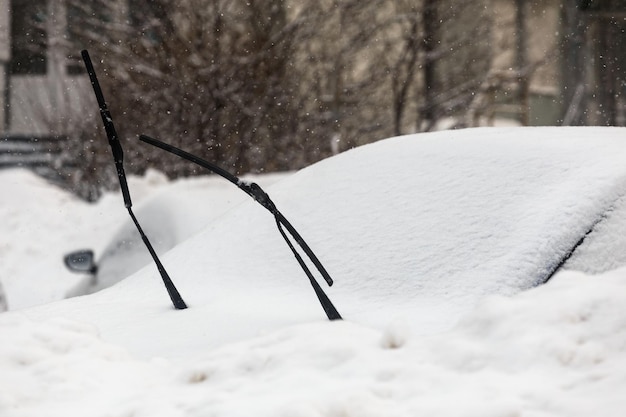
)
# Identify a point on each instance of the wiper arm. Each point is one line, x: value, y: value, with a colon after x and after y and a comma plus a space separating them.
x: 118, y: 157
x: 261, y: 197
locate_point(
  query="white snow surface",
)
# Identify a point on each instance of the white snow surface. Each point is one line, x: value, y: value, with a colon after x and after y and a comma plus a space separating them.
x: 40, y: 224
x: 432, y: 241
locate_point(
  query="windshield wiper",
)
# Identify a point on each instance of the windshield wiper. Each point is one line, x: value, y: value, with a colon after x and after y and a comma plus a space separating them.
x: 261, y: 197
x: 118, y: 157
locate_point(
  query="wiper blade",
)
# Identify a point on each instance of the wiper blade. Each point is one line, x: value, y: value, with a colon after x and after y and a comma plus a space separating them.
x: 118, y: 157
x: 260, y: 196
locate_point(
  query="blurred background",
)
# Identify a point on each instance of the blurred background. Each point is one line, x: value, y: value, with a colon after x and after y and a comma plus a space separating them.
x: 273, y: 85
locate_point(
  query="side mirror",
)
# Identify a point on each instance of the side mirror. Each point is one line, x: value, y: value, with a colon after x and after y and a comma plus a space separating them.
x: 81, y: 261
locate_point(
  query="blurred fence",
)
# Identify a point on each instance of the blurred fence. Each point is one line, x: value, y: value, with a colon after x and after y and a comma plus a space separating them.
x: 41, y: 154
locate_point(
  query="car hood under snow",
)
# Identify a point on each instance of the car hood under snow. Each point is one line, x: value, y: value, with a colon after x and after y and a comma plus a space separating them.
x: 417, y: 228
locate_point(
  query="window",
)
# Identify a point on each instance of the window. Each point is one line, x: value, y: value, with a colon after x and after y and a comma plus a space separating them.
x: 28, y: 36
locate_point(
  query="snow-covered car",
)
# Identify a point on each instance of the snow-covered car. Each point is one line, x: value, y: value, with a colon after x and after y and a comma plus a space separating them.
x: 179, y: 211
x: 419, y: 227
x: 433, y: 241
x: 125, y: 253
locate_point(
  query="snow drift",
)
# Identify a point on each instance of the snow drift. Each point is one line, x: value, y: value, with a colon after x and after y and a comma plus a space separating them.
x: 435, y: 243
x: 416, y: 227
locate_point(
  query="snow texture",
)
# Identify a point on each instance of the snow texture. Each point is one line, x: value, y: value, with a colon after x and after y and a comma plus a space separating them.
x: 435, y: 242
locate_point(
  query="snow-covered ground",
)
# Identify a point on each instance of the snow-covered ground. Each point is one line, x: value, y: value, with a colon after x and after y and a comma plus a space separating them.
x: 40, y: 224
x: 557, y: 350
x: 431, y: 239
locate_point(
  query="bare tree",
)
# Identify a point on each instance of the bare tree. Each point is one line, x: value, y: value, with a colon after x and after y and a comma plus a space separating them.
x: 210, y: 76
x: 340, y: 76
x: 575, y: 53
x: 594, y: 62
x: 440, y: 58
x: 272, y: 85
x: 380, y: 68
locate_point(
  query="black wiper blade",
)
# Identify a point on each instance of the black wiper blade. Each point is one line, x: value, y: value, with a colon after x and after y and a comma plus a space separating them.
x: 118, y: 157
x: 109, y: 127
x: 256, y: 192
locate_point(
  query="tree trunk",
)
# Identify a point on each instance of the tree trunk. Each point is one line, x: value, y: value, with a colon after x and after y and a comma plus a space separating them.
x: 607, y: 71
x: 574, y: 52
x: 521, y: 61
x: 429, y: 16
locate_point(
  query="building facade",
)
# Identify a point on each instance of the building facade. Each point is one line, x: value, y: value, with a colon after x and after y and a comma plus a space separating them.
x: 41, y: 87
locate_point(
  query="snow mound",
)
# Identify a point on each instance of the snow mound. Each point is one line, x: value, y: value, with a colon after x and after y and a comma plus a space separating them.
x: 434, y: 242
x: 521, y: 355
x: 416, y: 228
x: 41, y: 223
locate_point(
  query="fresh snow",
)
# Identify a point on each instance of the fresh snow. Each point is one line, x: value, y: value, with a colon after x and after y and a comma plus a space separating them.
x: 40, y: 224
x: 557, y: 350
x: 432, y: 240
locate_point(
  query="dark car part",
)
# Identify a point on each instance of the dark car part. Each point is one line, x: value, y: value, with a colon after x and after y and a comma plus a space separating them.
x: 261, y: 197
x: 118, y: 157
x: 81, y: 261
